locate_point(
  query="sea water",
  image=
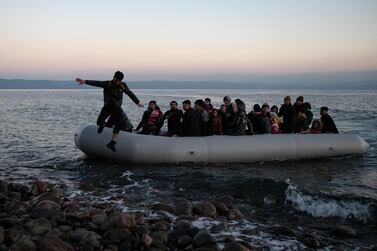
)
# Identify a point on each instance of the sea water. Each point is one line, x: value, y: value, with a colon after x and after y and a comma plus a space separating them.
x: 36, y: 142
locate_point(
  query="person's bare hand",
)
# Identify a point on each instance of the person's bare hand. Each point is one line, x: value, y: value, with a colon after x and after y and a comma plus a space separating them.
x: 80, y: 81
x: 140, y: 105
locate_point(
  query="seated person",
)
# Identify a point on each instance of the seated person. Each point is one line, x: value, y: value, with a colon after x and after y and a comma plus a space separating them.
x: 299, y: 104
x: 287, y: 113
x: 256, y: 123
x: 275, y: 121
x: 221, y: 112
x: 191, y: 124
x: 274, y: 109
x: 208, y: 106
x: 240, y: 119
x: 200, y: 107
x: 152, y: 120
x: 301, y: 122
x: 265, y: 119
x: 328, y: 125
x: 308, y: 112
x: 316, y: 127
x: 230, y: 112
x: 174, y: 116
x: 215, y: 123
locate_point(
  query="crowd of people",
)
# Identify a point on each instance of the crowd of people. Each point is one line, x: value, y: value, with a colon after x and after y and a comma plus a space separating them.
x: 231, y: 118
x: 203, y: 119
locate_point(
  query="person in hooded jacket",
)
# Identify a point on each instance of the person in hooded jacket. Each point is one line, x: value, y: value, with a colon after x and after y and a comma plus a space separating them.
x: 240, y: 119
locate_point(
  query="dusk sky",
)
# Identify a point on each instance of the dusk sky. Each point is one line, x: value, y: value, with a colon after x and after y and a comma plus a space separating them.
x: 184, y: 39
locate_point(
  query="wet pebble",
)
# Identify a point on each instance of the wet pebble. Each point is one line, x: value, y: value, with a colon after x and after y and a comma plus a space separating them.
x: 91, y: 240
x: 39, y: 187
x: 54, y: 244
x: 162, y: 207
x: 77, y: 234
x: 124, y: 220
x: 183, y: 224
x: 205, y: 209
x: 160, y: 226
x: 282, y: 230
x: 344, y: 232
x: 23, y: 245
x: 222, y: 226
x: 4, y: 187
x: 250, y: 231
x: 87, y: 186
x: 17, y: 234
x: 183, y: 208
x: 2, y: 234
x: 311, y: 242
x: 39, y: 226
x: 19, y: 188
x: 3, y: 247
x: 234, y: 214
x: 203, y: 238
x: 147, y: 240
x: 184, y: 241
x: 115, y: 236
x: 160, y: 239
x: 221, y: 208
x: 234, y: 246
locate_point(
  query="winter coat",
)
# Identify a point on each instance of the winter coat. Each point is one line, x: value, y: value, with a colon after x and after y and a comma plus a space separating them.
x: 191, y: 124
x: 112, y: 93
x: 328, y: 125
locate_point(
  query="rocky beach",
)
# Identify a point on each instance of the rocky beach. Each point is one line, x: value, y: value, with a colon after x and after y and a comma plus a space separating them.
x: 41, y: 216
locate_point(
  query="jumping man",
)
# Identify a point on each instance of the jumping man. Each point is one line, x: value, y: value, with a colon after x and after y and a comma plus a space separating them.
x: 113, y: 97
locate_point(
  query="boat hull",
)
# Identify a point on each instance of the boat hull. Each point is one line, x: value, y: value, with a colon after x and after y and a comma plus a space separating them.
x: 135, y: 148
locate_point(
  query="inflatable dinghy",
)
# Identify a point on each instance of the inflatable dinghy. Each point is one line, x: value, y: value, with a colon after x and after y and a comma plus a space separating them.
x: 136, y: 148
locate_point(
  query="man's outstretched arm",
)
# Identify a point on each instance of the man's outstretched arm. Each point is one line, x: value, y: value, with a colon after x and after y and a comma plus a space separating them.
x: 101, y: 84
x: 132, y: 95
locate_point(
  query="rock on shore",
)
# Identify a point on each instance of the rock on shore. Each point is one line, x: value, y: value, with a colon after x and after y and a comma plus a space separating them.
x: 41, y: 217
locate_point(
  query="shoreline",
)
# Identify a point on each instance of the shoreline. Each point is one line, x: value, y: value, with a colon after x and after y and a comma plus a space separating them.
x: 41, y: 215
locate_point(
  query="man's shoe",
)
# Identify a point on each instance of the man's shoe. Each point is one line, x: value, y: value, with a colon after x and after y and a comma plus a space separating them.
x: 111, y: 146
x: 100, y: 129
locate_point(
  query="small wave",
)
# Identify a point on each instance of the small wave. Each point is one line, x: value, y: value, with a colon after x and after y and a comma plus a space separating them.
x: 326, y: 207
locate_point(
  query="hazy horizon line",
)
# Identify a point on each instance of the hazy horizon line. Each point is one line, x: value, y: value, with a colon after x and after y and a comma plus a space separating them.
x: 204, y: 76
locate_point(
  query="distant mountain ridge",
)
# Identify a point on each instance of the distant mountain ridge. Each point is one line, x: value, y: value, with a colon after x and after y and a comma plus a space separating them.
x: 309, y: 81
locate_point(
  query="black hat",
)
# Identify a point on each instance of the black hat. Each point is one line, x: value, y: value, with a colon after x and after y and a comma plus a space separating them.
x: 300, y: 98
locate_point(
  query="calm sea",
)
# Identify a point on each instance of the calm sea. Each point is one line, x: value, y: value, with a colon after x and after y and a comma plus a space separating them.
x: 36, y: 142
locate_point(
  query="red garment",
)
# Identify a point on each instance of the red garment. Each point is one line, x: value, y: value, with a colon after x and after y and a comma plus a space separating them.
x: 274, y: 128
x: 154, y: 116
x: 208, y: 108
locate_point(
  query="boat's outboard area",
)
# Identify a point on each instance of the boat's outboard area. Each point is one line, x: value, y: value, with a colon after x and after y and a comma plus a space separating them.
x: 136, y: 148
